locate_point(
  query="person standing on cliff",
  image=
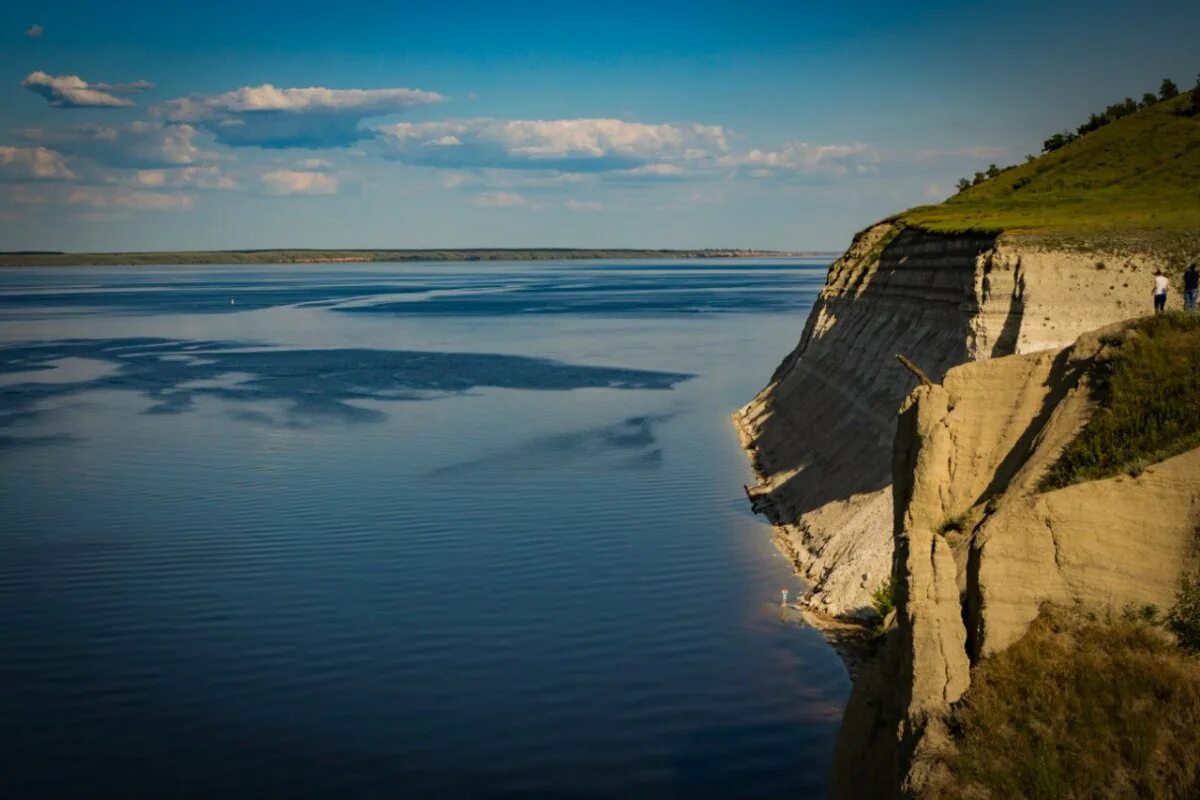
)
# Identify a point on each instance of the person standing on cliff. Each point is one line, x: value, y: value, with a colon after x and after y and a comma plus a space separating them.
x: 1191, y: 287
x: 1160, y: 291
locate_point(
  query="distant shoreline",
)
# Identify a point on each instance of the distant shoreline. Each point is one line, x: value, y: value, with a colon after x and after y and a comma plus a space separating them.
x: 314, y: 256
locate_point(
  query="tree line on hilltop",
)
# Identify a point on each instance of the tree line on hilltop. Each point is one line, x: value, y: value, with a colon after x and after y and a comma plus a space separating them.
x: 1167, y: 91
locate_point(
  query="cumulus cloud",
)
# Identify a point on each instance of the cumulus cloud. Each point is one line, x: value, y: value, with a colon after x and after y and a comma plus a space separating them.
x: 288, y: 181
x: 33, y: 163
x: 567, y: 145
x: 72, y: 91
x: 34, y: 32
x: 315, y: 163
x: 182, y: 178
x: 453, y: 179
x: 803, y: 157
x: 500, y: 200
x: 657, y: 171
x: 136, y: 144
x: 266, y: 116
x: 101, y: 197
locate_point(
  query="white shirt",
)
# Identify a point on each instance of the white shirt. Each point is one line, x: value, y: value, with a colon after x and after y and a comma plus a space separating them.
x: 1160, y: 284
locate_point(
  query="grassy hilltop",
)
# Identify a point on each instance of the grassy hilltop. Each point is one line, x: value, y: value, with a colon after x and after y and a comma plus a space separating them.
x: 1140, y: 172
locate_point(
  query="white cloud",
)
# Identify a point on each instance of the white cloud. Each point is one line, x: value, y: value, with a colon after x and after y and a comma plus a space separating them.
x: 584, y: 205
x: 500, y: 200
x: 72, y: 91
x: 288, y: 181
x: 34, y: 32
x: 802, y: 157
x: 565, y: 145
x: 658, y: 170
x: 315, y: 163
x: 33, y: 163
x: 266, y: 116
x: 136, y: 144
x: 182, y: 177
x: 453, y: 180
x: 122, y: 198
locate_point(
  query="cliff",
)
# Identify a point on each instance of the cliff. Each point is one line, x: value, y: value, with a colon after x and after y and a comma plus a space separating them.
x: 973, y: 450
x: 1012, y: 298
x: 821, y: 432
x: 1021, y: 263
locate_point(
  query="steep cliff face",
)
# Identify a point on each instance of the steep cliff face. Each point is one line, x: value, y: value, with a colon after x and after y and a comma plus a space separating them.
x: 820, y: 434
x: 979, y: 547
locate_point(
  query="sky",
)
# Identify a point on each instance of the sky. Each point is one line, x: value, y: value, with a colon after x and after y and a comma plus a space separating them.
x: 783, y: 125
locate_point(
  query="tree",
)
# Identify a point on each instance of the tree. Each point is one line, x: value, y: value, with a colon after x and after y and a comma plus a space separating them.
x: 979, y: 178
x: 1168, y: 90
x: 992, y: 171
x: 963, y: 184
x: 1056, y: 141
x: 1149, y: 99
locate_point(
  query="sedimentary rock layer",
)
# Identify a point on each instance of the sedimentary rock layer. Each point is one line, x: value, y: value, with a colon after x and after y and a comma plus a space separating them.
x: 820, y: 434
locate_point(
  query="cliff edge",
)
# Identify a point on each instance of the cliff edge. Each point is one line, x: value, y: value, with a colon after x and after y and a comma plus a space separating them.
x: 1015, y: 299
x: 982, y: 544
x: 1021, y: 263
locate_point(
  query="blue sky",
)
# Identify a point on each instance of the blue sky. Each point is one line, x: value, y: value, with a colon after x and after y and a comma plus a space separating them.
x: 150, y: 125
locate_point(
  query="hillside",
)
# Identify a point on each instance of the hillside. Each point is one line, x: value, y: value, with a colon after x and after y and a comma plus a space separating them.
x: 1139, y: 173
x: 1047, y: 455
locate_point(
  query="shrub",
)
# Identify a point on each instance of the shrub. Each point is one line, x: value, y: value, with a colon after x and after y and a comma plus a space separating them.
x: 883, y: 599
x: 954, y: 524
x: 1079, y: 708
x: 1148, y: 404
x: 1183, y: 619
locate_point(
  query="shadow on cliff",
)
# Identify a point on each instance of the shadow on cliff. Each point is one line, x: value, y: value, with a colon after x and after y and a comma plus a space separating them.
x: 832, y: 408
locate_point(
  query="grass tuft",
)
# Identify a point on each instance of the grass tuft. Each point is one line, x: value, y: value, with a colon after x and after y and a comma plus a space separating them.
x: 883, y: 599
x: 1148, y: 396
x: 954, y: 524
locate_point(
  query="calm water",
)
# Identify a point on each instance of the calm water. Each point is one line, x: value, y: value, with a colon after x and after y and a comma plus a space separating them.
x: 450, y: 530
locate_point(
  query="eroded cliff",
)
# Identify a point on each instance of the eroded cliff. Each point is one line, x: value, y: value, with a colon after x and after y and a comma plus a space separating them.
x: 980, y: 547
x: 820, y: 434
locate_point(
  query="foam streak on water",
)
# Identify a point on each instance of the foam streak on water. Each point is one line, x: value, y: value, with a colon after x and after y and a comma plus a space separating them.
x: 398, y: 530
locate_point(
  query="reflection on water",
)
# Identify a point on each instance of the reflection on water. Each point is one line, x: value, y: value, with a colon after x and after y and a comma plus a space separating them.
x: 531, y: 575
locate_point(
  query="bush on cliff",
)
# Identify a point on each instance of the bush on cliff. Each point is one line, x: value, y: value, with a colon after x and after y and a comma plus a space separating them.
x: 1079, y: 707
x: 1148, y: 396
x: 1183, y: 620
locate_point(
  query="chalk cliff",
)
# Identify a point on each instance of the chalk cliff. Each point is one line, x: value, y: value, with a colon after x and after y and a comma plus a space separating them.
x: 1010, y: 298
x: 820, y: 433
x: 973, y: 450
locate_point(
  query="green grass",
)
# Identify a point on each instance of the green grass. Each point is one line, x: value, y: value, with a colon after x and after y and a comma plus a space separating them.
x: 883, y: 599
x: 1141, y: 172
x: 1079, y: 707
x: 1148, y: 397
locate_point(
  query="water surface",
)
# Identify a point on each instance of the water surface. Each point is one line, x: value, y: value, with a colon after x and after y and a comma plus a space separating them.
x: 398, y: 530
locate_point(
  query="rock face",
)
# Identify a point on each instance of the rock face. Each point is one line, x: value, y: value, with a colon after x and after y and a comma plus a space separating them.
x: 820, y: 434
x: 979, y: 548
